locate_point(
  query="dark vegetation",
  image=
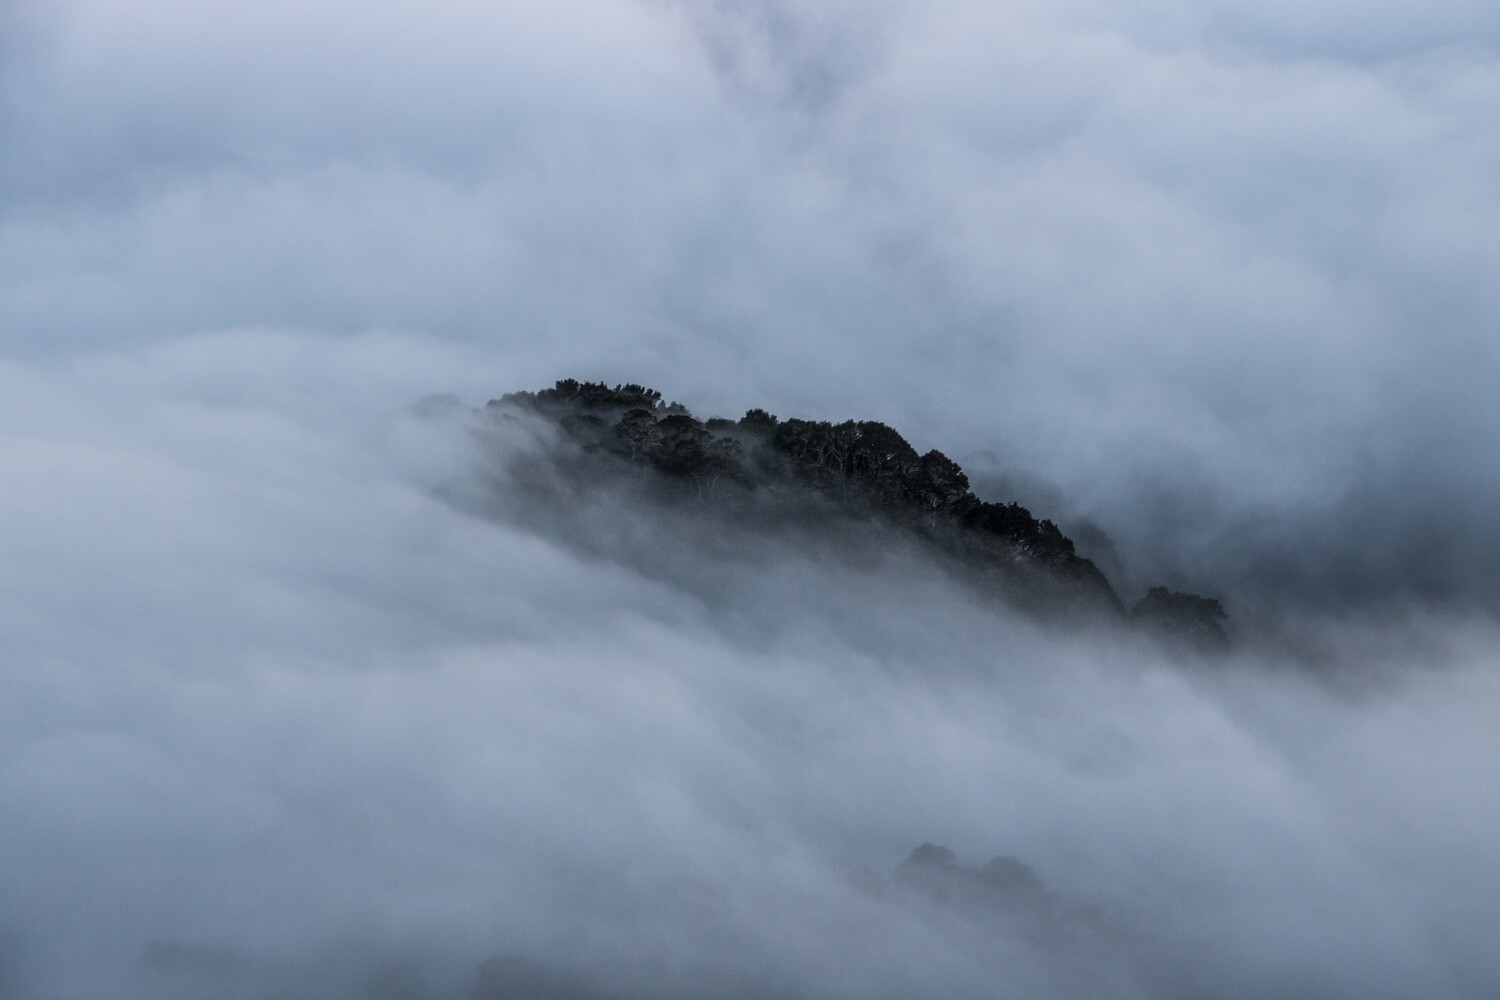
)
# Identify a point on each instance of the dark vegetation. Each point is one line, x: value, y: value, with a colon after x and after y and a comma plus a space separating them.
x: 1005, y: 882
x: 762, y: 466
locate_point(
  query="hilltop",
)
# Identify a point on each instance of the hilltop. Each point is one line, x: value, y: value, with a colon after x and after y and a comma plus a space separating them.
x: 764, y: 467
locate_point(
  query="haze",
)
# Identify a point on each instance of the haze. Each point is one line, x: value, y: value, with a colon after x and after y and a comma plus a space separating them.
x: 279, y: 717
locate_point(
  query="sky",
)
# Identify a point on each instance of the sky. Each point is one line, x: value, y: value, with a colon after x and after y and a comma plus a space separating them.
x: 1212, y: 278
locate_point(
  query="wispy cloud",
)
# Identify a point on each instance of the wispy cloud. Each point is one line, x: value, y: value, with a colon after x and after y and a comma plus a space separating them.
x: 1215, y: 278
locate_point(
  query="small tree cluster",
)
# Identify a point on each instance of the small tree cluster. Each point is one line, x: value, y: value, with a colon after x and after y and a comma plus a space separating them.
x: 571, y: 394
x: 1199, y: 620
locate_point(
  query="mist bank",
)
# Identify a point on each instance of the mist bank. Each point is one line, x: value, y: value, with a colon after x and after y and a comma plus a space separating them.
x: 282, y: 719
x: 305, y: 695
x: 1222, y: 276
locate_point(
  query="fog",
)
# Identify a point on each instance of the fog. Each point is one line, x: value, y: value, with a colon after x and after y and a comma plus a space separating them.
x: 1221, y: 273
x: 284, y: 719
x: 300, y: 696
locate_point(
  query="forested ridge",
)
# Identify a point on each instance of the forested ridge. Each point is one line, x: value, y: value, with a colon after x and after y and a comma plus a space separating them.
x: 857, y: 468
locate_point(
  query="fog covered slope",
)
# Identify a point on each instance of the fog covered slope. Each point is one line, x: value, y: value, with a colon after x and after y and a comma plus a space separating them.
x: 363, y: 708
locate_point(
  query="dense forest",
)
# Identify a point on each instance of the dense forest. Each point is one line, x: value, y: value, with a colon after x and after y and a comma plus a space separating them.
x: 765, y: 467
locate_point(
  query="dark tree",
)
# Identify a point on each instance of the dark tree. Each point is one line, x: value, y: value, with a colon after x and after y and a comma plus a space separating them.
x: 1199, y: 620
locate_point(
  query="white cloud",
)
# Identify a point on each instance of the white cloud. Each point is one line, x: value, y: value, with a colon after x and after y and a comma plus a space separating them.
x: 1222, y: 274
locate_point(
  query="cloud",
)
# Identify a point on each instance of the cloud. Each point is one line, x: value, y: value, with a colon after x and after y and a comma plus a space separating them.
x: 1214, y: 279
x: 282, y: 719
x: 1229, y: 293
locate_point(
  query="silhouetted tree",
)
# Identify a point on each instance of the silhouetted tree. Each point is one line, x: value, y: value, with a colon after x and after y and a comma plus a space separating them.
x: 1199, y: 620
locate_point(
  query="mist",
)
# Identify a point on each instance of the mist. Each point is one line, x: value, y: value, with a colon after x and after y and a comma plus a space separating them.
x: 311, y: 728
x: 301, y: 694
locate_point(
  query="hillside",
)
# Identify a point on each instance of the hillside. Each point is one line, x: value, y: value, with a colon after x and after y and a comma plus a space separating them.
x: 821, y: 475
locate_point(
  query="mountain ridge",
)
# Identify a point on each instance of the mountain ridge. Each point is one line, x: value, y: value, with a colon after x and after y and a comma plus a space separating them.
x: 864, y: 468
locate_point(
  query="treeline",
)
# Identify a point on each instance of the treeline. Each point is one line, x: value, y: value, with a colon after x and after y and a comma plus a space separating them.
x: 864, y: 467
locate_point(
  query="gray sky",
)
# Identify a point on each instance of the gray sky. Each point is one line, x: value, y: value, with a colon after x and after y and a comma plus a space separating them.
x: 1217, y: 277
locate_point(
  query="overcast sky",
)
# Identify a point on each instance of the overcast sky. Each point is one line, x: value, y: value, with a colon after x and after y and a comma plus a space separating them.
x: 1217, y: 277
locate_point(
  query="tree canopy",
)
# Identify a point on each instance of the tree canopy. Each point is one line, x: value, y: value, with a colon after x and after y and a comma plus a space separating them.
x: 865, y: 467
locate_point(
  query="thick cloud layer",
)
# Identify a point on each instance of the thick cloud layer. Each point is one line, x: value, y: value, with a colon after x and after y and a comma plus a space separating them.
x: 278, y: 718
x: 281, y: 720
x: 1220, y: 272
